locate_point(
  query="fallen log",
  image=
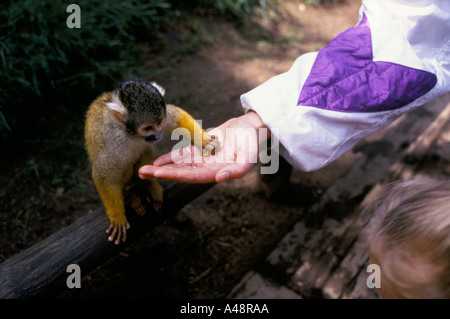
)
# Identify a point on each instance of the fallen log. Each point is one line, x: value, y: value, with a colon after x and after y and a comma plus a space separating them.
x: 41, y: 270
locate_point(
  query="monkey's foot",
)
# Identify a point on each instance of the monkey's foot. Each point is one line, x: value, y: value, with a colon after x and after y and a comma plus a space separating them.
x: 155, y: 195
x: 137, y: 206
x: 118, y: 232
x: 157, y: 203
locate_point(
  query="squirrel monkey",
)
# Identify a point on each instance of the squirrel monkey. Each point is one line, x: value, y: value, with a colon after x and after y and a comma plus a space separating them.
x: 121, y: 128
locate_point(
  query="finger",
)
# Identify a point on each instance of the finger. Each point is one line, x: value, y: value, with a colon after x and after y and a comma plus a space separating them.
x: 124, y: 232
x: 108, y: 230
x: 163, y: 159
x: 119, y: 235
x: 186, y: 174
x: 233, y: 171
x: 147, y: 171
x: 173, y: 156
x: 113, y: 234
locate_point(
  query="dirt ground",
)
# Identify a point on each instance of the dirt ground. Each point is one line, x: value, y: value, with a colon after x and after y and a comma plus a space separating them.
x: 211, y: 243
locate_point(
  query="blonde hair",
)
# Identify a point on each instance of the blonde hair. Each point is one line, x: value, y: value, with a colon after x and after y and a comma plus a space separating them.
x: 408, y: 233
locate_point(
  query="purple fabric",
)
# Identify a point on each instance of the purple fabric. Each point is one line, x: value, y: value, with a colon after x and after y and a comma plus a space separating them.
x: 344, y: 77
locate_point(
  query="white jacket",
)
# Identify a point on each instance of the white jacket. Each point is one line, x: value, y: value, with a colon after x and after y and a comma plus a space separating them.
x: 396, y: 58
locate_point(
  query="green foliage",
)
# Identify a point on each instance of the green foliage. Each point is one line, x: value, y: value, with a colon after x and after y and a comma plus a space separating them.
x: 237, y: 8
x: 43, y: 62
x: 318, y: 2
x: 46, y: 67
x: 50, y: 73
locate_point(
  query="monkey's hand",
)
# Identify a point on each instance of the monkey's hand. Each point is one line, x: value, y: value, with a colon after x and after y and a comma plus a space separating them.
x: 118, y: 231
x: 210, y: 144
x: 179, y: 118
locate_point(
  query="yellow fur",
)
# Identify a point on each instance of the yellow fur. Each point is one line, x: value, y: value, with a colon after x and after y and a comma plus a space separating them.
x: 116, y: 157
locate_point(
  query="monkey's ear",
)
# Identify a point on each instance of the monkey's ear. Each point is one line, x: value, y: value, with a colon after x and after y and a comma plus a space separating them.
x: 159, y: 88
x: 117, y: 109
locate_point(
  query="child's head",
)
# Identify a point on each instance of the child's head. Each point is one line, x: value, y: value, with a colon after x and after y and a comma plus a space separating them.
x: 408, y: 234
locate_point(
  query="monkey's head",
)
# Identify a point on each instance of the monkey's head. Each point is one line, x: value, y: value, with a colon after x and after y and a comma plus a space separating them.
x: 139, y: 106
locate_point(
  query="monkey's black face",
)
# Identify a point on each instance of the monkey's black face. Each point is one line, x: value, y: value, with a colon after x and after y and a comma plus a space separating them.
x: 154, y: 137
x: 151, y: 132
x: 145, y: 109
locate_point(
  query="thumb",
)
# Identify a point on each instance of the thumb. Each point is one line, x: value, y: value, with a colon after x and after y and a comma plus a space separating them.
x: 233, y: 171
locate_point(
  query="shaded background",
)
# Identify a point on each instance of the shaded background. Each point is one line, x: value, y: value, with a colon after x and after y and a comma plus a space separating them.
x: 206, y: 54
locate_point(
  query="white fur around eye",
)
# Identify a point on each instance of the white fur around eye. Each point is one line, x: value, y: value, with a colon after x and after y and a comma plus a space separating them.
x: 116, y: 105
x: 159, y: 88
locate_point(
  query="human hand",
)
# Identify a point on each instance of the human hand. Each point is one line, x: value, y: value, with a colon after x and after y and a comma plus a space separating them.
x: 238, y: 141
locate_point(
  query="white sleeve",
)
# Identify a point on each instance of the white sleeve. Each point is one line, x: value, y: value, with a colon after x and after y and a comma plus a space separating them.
x: 396, y: 58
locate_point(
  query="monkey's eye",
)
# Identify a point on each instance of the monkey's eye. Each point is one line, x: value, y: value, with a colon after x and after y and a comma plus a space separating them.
x: 148, y: 128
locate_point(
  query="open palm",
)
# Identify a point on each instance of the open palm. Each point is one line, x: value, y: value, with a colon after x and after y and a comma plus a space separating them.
x: 236, y: 153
